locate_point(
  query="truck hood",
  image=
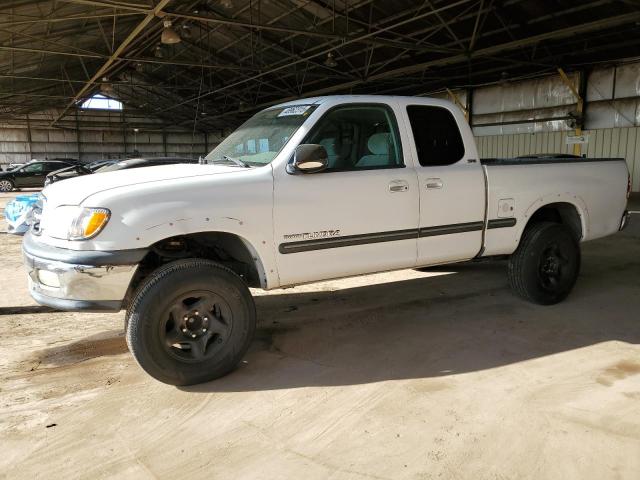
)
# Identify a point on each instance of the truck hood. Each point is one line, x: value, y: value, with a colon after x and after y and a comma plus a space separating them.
x: 74, y: 191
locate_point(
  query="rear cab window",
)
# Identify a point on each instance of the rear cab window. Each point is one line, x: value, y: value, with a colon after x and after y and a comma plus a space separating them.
x: 436, y: 135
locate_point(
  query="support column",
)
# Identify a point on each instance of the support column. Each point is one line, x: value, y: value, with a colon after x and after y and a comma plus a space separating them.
x: 164, y: 141
x: 470, y: 106
x: 29, y: 140
x: 124, y: 135
x: 78, y: 136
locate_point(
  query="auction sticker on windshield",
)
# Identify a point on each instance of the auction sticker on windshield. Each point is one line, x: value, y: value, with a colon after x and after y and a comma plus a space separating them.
x: 297, y: 110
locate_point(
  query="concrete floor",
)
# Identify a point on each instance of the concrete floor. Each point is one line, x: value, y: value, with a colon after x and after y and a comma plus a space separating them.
x: 406, y: 375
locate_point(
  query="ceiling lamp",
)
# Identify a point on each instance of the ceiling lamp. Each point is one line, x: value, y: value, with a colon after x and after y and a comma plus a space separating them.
x: 186, y: 32
x: 105, y: 86
x: 157, y: 52
x: 330, y: 61
x: 169, y: 35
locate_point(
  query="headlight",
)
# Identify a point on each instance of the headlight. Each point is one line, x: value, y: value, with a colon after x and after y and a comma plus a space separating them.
x: 88, y: 223
x: 76, y: 223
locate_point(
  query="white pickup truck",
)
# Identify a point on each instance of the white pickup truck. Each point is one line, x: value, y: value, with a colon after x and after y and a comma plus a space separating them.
x: 309, y: 190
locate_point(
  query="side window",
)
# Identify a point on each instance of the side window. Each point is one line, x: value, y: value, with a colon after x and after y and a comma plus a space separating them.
x: 34, y: 168
x: 50, y: 167
x: 436, y: 135
x: 359, y: 137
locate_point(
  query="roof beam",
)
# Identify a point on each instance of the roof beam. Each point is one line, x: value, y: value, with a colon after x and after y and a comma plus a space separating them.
x: 229, y: 22
x: 119, y: 51
x: 462, y: 58
x: 135, y: 7
x: 290, y: 63
x: 579, y: 28
x: 127, y: 59
x: 65, y: 19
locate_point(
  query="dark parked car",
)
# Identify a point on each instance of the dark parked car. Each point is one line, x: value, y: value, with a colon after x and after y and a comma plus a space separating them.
x: 76, y: 171
x: 31, y: 174
x: 114, y: 165
x: 145, y: 162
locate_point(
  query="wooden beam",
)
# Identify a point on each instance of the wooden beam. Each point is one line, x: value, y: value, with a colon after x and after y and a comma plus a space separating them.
x: 577, y: 148
x: 455, y: 99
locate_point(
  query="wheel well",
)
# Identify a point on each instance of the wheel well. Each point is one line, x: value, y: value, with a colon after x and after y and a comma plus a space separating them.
x: 561, y: 212
x: 226, y: 248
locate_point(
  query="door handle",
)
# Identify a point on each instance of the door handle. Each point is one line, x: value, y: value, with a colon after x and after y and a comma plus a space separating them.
x: 398, y: 186
x: 434, y: 183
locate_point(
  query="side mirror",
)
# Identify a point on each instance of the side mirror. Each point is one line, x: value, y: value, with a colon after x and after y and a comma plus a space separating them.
x: 308, y: 158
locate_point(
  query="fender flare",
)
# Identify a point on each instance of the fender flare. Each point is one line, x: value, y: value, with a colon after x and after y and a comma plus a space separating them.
x: 263, y: 258
x: 569, y: 198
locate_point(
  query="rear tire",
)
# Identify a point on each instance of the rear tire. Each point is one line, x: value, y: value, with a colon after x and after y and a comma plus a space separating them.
x: 6, y: 185
x: 190, y: 321
x: 545, y: 266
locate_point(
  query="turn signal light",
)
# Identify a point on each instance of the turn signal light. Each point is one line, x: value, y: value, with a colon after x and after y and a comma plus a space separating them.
x: 89, y: 223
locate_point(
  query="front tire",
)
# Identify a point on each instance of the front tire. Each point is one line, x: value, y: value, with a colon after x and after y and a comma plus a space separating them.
x: 6, y: 185
x: 190, y: 321
x: 545, y: 266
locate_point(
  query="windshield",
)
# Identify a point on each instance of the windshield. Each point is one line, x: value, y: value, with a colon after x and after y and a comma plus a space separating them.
x: 260, y: 139
x: 95, y: 165
x: 111, y: 167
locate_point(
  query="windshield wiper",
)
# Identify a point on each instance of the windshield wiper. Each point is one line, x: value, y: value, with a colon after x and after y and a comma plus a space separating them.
x: 237, y: 161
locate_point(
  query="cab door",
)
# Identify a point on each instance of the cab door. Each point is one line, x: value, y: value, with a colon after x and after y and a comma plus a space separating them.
x: 452, y: 186
x: 358, y: 216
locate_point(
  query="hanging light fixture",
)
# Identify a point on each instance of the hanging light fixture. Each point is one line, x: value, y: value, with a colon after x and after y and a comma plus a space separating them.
x: 158, y: 51
x: 186, y: 32
x: 169, y: 35
x: 330, y: 61
x: 106, y: 86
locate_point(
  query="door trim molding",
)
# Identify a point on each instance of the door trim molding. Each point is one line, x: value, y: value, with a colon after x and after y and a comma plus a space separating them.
x: 501, y: 223
x: 453, y: 228
x: 347, y: 241
x: 390, y: 236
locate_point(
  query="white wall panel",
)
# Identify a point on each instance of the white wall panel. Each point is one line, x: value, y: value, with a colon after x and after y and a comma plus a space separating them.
x: 628, y: 80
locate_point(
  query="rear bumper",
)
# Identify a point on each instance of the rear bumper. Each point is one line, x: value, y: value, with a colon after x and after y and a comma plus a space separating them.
x: 624, y: 221
x: 78, y: 281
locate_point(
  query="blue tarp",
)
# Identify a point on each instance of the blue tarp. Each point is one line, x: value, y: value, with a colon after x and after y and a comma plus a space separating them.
x: 18, y: 213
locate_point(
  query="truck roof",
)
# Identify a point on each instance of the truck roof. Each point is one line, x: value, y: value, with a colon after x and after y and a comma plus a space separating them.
x: 356, y: 98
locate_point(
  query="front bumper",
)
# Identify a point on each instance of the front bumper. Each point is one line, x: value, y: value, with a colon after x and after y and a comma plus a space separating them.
x: 72, y: 280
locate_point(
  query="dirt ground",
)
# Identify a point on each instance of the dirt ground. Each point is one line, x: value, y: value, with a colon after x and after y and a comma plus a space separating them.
x: 406, y: 375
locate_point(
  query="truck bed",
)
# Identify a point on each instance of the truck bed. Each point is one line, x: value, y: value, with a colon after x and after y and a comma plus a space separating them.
x: 595, y: 188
